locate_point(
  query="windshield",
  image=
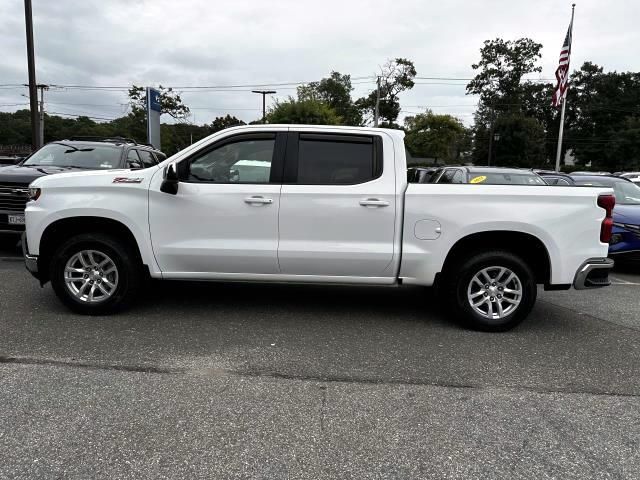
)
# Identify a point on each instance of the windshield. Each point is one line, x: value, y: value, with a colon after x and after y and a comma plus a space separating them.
x: 94, y: 157
x: 505, y: 178
x: 627, y: 193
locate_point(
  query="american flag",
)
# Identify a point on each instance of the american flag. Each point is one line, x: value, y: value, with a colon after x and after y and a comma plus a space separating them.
x: 562, y: 72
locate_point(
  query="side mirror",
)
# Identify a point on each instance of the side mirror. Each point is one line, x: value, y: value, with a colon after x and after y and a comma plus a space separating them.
x: 135, y: 165
x: 170, y: 182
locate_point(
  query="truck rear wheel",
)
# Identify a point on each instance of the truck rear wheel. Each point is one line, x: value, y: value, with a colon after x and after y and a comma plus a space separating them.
x: 95, y: 274
x: 491, y: 291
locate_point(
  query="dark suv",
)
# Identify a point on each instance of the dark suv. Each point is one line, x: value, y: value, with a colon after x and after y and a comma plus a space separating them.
x: 75, y: 154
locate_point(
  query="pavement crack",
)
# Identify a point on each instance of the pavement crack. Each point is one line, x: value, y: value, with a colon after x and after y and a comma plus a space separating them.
x: 89, y: 365
x: 346, y: 379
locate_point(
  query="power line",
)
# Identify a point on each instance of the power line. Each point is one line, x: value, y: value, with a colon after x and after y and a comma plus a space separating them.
x: 81, y: 115
x: 89, y: 104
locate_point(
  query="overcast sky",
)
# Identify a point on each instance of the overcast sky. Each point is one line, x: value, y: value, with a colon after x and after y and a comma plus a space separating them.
x: 186, y: 43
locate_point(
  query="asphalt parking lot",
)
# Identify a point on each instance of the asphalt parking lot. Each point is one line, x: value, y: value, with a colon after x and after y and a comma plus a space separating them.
x: 278, y: 381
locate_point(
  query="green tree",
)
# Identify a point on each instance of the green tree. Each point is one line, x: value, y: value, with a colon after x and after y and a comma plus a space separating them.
x: 179, y: 135
x: 502, y: 66
x: 504, y: 97
x: 442, y: 137
x: 624, y: 148
x: 536, y: 103
x: 133, y: 125
x: 519, y: 142
x: 396, y: 76
x: 335, y: 91
x: 220, y: 123
x: 602, y: 108
x: 311, y: 112
x: 15, y: 128
x: 170, y: 101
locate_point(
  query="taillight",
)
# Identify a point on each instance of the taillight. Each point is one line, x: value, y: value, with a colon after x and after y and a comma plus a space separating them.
x: 607, y: 202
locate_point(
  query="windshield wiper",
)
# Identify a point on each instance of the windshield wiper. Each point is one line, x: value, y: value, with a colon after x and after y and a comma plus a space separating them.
x: 67, y: 145
x: 74, y: 149
x: 79, y: 150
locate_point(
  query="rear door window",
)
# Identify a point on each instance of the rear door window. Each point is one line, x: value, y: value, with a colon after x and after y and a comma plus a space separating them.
x: 337, y: 160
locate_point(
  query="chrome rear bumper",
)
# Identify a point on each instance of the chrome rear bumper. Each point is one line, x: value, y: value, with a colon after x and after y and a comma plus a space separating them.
x: 594, y: 273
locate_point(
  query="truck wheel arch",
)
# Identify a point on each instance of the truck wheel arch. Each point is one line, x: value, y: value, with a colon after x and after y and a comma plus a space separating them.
x: 61, y: 230
x: 527, y: 246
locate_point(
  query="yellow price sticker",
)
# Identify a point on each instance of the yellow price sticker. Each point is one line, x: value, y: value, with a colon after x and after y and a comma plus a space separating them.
x: 479, y: 179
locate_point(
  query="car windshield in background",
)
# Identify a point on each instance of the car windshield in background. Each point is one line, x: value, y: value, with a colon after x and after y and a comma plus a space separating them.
x: 627, y: 193
x: 94, y: 157
x: 504, y: 178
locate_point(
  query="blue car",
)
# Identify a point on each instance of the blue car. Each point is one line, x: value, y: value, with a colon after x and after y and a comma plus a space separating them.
x: 625, y: 242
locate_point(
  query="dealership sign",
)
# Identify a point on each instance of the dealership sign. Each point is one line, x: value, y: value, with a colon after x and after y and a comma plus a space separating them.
x: 154, y: 108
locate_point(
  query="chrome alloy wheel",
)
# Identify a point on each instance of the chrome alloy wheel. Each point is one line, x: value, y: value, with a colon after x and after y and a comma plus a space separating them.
x: 494, y: 292
x: 91, y: 276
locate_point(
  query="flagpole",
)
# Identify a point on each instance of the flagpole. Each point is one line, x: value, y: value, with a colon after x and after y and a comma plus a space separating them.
x: 559, y: 152
x: 564, y: 104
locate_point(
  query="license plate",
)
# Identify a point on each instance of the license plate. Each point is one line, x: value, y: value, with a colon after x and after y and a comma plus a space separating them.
x: 16, y: 219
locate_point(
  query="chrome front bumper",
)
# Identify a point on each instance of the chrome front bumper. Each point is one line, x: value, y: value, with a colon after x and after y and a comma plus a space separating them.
x: 594, y: 273
x: 30, y: 261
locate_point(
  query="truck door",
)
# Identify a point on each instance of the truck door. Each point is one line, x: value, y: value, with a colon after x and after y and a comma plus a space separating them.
x: 337, y: 206
x: 224, y: 217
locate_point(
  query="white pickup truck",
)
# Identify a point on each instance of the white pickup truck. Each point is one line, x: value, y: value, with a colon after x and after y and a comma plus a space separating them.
x: 292, y: 203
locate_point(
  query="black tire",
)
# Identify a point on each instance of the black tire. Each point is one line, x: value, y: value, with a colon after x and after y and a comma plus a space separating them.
x: 459, y: 277
x: 129, y: 271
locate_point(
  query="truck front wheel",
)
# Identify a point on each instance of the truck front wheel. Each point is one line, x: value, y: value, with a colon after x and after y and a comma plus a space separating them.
x: 95, y: 274
x: 491, y: 291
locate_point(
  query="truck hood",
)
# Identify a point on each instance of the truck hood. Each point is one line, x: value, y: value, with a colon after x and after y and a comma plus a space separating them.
x: 627, y: 214
x: 26, y: 174
x: 89, y: 178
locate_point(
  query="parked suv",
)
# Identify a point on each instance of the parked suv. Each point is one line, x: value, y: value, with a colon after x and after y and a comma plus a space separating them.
x: 558, y: 179
x: 75, y: 154
x: 486, y: 176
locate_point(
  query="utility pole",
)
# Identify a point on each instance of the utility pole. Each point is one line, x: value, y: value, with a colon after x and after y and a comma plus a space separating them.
x: 33, y: 93
x: 42, y: 88
x: 264, y: 94
x: 376, y: 114
x: 490, y: 145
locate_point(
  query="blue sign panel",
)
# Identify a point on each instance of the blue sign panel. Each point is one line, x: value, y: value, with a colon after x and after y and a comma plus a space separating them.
x: 154, y: 100
x: 153, y: 117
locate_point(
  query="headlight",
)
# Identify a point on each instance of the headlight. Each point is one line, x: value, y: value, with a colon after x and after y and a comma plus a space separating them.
x: 34, y: 193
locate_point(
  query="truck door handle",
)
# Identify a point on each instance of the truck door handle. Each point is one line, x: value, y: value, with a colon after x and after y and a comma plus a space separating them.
x: 374, y: 202
x: 258, y: 200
